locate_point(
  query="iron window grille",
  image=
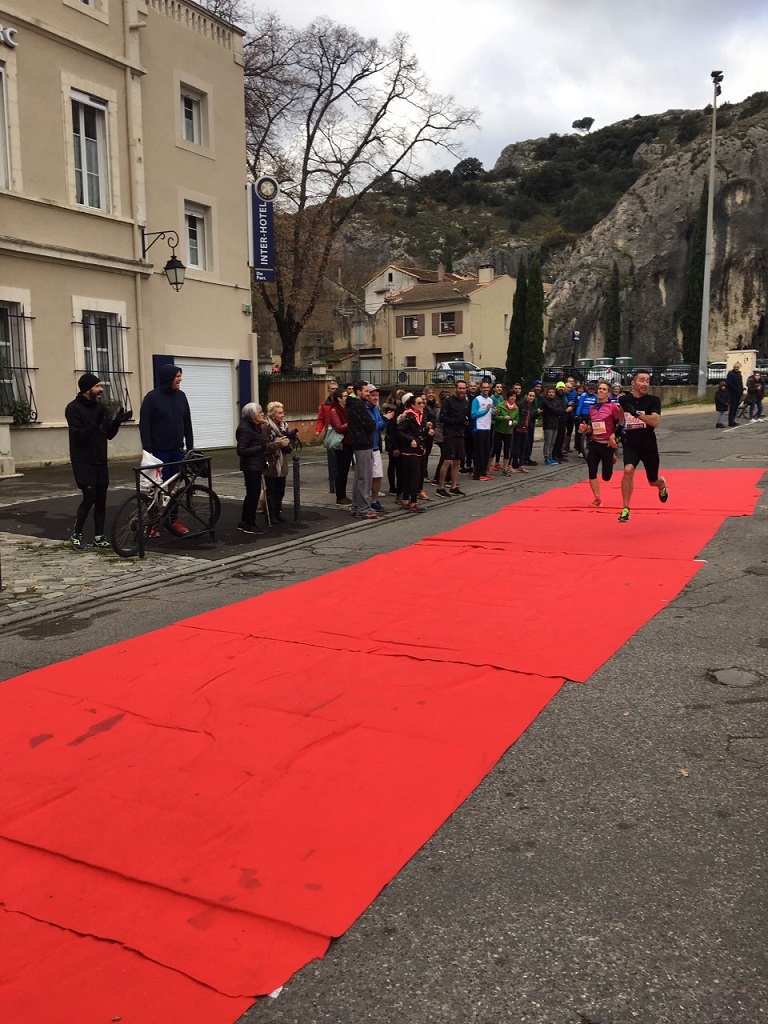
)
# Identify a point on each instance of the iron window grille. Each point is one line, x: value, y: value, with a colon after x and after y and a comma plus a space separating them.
x: 17, y: 399
x: 103, y: 354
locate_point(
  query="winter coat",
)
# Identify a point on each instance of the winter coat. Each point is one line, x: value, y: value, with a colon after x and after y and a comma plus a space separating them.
x: 251, y: 446
x: 505, y: 419
x: 409, y: 429
x: 165, y: 422
x: 90, y: 427
x: 552, y: 413
x: 276, y: 457
x: 722, y: 400
x: 454, y: 415
x: 735, y: 383
x: 359, y: 436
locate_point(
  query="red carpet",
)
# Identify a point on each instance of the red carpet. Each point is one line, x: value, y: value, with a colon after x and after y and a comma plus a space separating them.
x: 188, y: 817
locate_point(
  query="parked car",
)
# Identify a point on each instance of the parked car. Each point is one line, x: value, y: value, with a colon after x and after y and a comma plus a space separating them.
x: 680, y: 373
x: 457, y: 369
x: 561, y: 373
x: 607, y: 373
x: 496, y: 373
x: 716, y: 372
x: 628, y: 374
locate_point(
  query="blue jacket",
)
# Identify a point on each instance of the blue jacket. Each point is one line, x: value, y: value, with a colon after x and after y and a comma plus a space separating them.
x: 379, y: 424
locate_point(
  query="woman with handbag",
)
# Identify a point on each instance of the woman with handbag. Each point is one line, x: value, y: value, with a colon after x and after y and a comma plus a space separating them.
x: 337, y: 421
x: 276, y: 470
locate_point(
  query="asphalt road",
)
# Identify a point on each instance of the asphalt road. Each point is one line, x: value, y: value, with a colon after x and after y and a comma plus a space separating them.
x: 611, y: 868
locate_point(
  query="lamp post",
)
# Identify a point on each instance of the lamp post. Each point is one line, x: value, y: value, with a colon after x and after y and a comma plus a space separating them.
x: 717, y: 77
x: 174, y: 269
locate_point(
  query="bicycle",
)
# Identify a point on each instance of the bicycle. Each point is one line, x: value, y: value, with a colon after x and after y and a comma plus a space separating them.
x: 173, y: 503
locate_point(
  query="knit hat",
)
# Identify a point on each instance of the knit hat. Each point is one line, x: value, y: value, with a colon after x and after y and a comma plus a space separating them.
x: 88, y: 381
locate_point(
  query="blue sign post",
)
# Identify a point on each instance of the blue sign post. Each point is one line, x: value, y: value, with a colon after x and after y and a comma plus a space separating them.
x: 261, y: 228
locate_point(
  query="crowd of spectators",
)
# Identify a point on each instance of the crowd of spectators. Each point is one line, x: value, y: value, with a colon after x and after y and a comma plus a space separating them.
x: 476, y: 429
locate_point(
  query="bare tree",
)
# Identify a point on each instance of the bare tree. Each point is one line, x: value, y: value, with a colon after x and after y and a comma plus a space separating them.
x: 233, y: 11
x: 331, y: 114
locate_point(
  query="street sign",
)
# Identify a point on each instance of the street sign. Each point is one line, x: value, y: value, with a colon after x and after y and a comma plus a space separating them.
x: 261, y: 228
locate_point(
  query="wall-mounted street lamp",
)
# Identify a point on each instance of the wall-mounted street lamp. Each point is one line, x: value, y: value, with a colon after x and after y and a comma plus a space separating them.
x: 174, y: 269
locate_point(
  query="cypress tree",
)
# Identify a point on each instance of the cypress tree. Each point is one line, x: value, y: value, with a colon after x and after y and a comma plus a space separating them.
x: 693, y: 284
x: 533, y: 337
x: 613, y: 316
x: 514, y: 368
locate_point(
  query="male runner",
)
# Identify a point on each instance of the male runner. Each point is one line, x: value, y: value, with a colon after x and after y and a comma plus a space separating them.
x: 642, y: 413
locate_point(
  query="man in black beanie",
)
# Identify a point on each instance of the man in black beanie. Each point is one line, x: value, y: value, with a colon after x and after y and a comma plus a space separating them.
x: 90, y: 427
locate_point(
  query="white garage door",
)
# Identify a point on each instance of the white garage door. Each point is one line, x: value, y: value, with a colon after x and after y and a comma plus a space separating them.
x: 207, y: 383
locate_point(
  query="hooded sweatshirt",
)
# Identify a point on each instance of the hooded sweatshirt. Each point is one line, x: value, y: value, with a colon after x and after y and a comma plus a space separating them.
x: 165, y: 421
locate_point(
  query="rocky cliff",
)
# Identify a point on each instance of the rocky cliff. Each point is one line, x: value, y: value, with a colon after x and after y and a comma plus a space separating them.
x: 648, y: 234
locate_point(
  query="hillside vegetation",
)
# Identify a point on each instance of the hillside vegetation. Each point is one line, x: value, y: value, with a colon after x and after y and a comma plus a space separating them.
x: 542, y: 194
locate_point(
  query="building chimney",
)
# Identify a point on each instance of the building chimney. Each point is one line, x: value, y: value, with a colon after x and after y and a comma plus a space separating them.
x: 485, y: 274
x: 440, y: 271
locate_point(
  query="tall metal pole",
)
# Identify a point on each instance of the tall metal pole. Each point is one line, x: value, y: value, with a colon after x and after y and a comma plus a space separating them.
x: 717, y: 77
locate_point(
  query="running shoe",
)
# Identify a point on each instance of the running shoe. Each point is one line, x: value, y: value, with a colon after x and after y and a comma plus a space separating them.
x: 100, y: 541
x: 424, y: 496
x: 664, y: 494
x: 417, y: 508
x: 377, y: 506
x: 367, y: 515
x: 484, y: 478
x: 624, y: 515
x: 457, y: 492
x: 344, y: 501
x: 442, y: 493
x: 180, y: 530
x: 77, y: 542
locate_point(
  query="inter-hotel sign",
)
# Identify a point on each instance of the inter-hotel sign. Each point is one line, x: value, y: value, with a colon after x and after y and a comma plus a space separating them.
x: 8, y: 36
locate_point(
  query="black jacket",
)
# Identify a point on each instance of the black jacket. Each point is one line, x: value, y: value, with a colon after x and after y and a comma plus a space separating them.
x: 722, y: 400
x: 735, y: 383
x: 90, y: 427
x: 454, y: 416
x: 360, y: 428
x: 251, y: 446
x: 552, y: 413
x: 409, y: 429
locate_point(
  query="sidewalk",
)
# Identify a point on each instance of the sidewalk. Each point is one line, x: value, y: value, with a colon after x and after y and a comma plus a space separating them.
x: 41, y: 574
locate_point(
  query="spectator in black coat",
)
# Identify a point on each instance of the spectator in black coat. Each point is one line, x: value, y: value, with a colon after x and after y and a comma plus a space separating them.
x: 90, y: 427
x: 252, y: 449
x: 735, y: 384
x: 165, y: 422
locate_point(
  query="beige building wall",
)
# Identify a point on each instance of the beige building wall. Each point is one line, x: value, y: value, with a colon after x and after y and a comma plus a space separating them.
x: 127, y: 66
x: 486, y: 310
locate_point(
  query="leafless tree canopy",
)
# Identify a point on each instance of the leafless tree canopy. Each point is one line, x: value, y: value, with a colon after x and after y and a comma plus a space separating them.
x: 329, y: 114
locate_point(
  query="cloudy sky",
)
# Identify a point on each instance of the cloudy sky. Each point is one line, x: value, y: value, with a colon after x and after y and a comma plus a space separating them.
x: 534, y: 66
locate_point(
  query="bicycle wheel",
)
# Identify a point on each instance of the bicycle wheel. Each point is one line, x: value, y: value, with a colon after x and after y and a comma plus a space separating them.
x: 124, y: 532
x: 197, y: 509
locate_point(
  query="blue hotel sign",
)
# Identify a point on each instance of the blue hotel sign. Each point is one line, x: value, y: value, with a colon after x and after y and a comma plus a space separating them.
x: 261, y: 228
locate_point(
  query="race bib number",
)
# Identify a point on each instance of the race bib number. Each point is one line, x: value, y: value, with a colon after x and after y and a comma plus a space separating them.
x: 632, y: 422
x: 598, y: 429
